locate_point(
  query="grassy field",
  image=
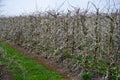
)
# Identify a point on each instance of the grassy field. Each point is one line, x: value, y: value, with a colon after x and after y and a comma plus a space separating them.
x: 24, y: 68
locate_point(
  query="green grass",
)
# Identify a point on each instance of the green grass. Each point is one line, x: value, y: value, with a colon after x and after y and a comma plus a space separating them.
x: 24, y: 68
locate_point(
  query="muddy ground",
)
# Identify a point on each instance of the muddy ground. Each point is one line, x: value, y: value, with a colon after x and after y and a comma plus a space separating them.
x: 4, y: 74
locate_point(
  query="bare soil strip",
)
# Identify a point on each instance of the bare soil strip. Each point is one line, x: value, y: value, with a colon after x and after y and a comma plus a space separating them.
x: 4, y: 74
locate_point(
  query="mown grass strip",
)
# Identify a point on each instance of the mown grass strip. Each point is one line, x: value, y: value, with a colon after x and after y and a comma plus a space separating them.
x: 24, y: 68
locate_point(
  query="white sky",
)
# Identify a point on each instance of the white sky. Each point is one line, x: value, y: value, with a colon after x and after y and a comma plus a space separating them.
x: 17, y: 7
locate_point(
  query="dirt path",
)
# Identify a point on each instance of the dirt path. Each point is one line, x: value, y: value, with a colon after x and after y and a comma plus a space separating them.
x: 4, y: 74
x: 50, y: 64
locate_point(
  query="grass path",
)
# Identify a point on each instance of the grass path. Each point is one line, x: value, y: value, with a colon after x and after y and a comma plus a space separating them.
x: 24, y: 68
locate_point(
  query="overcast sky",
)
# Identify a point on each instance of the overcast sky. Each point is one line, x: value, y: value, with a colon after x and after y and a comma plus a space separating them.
x: 17, y: 7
